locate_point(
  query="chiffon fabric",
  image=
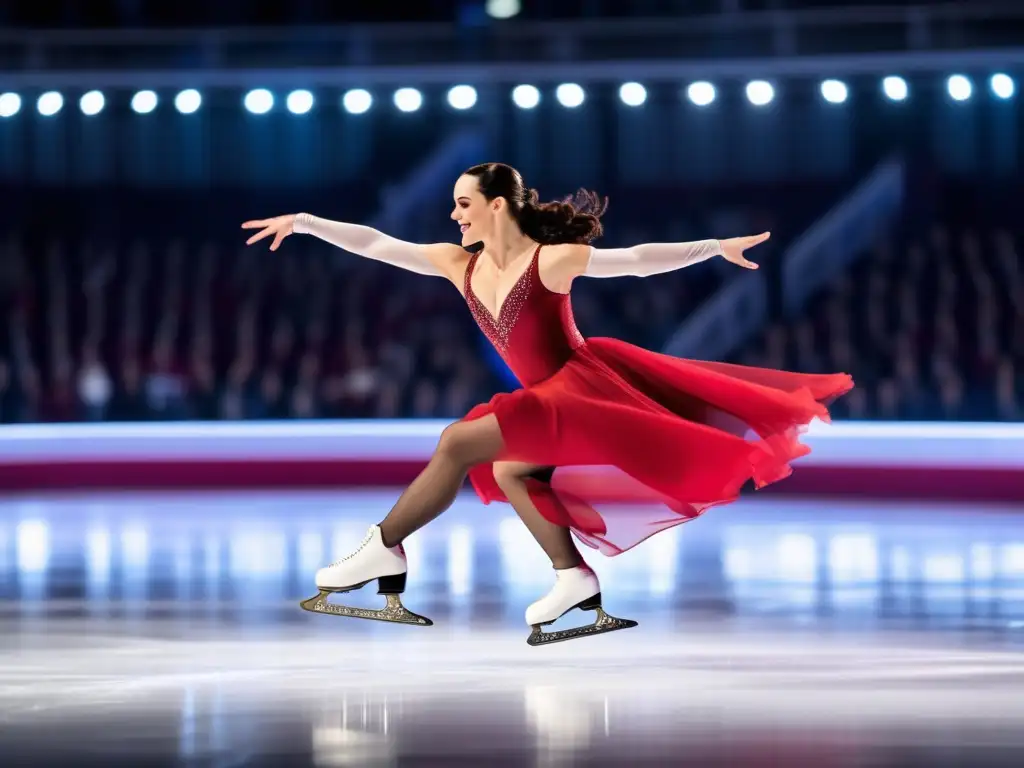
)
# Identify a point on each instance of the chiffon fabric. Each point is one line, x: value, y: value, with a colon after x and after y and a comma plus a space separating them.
x: 630, y: 442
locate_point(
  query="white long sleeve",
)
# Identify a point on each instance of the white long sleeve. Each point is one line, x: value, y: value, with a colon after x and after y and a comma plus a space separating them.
x: 650, y: 258
x: 367, y: 242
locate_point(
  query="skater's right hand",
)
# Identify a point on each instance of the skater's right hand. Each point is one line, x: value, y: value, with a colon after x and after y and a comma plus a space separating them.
x: 734, y: 247
x: 279, y: 226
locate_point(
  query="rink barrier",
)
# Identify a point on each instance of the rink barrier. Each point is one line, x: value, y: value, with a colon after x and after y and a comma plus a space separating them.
x: 885, y: 459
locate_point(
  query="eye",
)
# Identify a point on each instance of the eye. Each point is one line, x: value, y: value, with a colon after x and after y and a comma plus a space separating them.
x: 464, y: 205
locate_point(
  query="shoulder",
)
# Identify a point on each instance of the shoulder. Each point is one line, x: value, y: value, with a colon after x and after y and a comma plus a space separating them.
x: 567, y: 254
x: 449, y: 259
x: 560, y: 264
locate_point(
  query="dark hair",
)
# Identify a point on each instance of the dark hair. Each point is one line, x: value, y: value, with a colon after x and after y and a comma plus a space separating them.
x: 576, y: 219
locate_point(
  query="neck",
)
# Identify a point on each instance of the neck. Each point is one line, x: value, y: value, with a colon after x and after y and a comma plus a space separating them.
x: 507, y: 244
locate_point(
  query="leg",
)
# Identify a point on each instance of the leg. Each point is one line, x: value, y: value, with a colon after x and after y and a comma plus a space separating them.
x: 462, y: 445
x: 381, y: 557
x: 555, y: 540
x: 576, y: 585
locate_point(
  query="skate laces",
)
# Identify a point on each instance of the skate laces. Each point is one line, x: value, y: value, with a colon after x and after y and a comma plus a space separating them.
x: 366, y: 540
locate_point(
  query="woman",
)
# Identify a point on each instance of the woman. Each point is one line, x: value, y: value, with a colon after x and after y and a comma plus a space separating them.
x: 596, y: 419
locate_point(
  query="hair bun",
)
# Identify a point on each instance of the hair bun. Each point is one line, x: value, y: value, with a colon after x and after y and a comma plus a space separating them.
x: 576, y: 219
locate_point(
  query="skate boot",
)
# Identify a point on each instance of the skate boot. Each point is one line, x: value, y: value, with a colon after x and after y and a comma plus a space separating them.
x: 574, y: 588
x: 371, y: 561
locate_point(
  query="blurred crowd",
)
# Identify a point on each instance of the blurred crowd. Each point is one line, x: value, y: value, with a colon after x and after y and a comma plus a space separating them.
x: 932, y: 328
x: 167, y: 330
x: 170, y: 332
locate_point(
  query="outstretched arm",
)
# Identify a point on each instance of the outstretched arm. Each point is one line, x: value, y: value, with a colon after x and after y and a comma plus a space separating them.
x: 571, y: 261
x: 439, y: 259
x: 649, y: 259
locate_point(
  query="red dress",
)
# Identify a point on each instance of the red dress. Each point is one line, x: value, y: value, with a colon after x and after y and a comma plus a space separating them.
x: 653, y: 440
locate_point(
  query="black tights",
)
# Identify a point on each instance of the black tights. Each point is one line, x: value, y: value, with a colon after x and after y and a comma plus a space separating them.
x: 462, y: 446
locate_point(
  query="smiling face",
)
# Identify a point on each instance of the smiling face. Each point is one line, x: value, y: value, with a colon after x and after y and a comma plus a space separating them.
x: 475, y: 215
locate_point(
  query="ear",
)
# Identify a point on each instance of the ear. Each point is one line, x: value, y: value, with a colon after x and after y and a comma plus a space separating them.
x: 498, y: 204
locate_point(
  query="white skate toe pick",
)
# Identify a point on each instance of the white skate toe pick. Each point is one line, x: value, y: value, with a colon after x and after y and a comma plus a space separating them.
x: 371, y: 561
x: 574, y: 588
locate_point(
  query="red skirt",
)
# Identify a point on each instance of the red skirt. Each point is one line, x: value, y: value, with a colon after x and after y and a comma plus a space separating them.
x: 653, y: 440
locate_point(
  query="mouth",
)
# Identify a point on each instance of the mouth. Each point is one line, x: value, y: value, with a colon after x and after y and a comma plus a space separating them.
x: 463, y: 228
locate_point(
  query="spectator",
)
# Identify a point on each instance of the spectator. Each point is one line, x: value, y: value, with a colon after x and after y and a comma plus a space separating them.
x: 129, y: 403
x: 95, y: 388
x: 8, y: 404
x: 204, y: 395
x: 937, y: 334
x: 270, y: 402
x: 165, y: 387
x: 930, y: 329
x: 1008, y: 392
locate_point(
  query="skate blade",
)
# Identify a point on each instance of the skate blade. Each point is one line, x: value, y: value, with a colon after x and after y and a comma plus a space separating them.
x: 603, y: 624
x: 394, y: 612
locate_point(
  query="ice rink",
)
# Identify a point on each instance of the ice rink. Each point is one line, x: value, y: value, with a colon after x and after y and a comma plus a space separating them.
x: 164, y: 629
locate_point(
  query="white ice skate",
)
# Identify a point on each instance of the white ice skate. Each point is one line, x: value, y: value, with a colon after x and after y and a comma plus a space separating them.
x: 371, y: 561
x: 574, y: 588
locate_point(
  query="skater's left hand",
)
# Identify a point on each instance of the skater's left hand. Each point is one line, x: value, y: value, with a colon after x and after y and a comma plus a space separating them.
x: 733, y: 248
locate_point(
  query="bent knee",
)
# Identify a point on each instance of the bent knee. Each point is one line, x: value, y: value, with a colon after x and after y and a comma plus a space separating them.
x: 471, y: 442
x: 460, y: 443
x: 452, y: 441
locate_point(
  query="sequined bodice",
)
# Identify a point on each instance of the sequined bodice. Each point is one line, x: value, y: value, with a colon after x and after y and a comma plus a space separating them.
x: 534, y: 332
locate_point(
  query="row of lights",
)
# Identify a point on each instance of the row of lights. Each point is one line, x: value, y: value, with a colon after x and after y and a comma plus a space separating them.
x: 461, y: 97
x: 94, y: 102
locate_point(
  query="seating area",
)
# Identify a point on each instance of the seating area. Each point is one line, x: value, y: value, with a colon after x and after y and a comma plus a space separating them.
x: 154, y: 326
x: 164, y: 329
x: 148, y: 306
x: 931, y: 325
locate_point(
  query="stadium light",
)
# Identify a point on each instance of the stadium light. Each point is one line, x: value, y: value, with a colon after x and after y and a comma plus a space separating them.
x: 188, y: 101
x: 408, y: 99
x: 357, y: 101
x: 570, y: 95
x: 959, y: 87
x: 1002, y: 86
x: 834, y: 91
x: 50, y: 103
x: 701, y: 93
x: 10, y: 104
x: 760, y: 93
x: 299, y: 102
x: 92, y: 103
x: 503, y: 9
x: 144, y: 102
x: 632, y: 94
x: 462, y: 97
x: 259, y: 101
x: 895, y: 88
x: 525, y: 96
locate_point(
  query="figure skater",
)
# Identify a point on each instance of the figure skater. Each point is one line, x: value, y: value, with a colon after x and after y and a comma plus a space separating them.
x: 595, y: 420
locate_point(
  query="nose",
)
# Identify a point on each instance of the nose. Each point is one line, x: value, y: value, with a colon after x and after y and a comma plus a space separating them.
x: 455, y: 214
